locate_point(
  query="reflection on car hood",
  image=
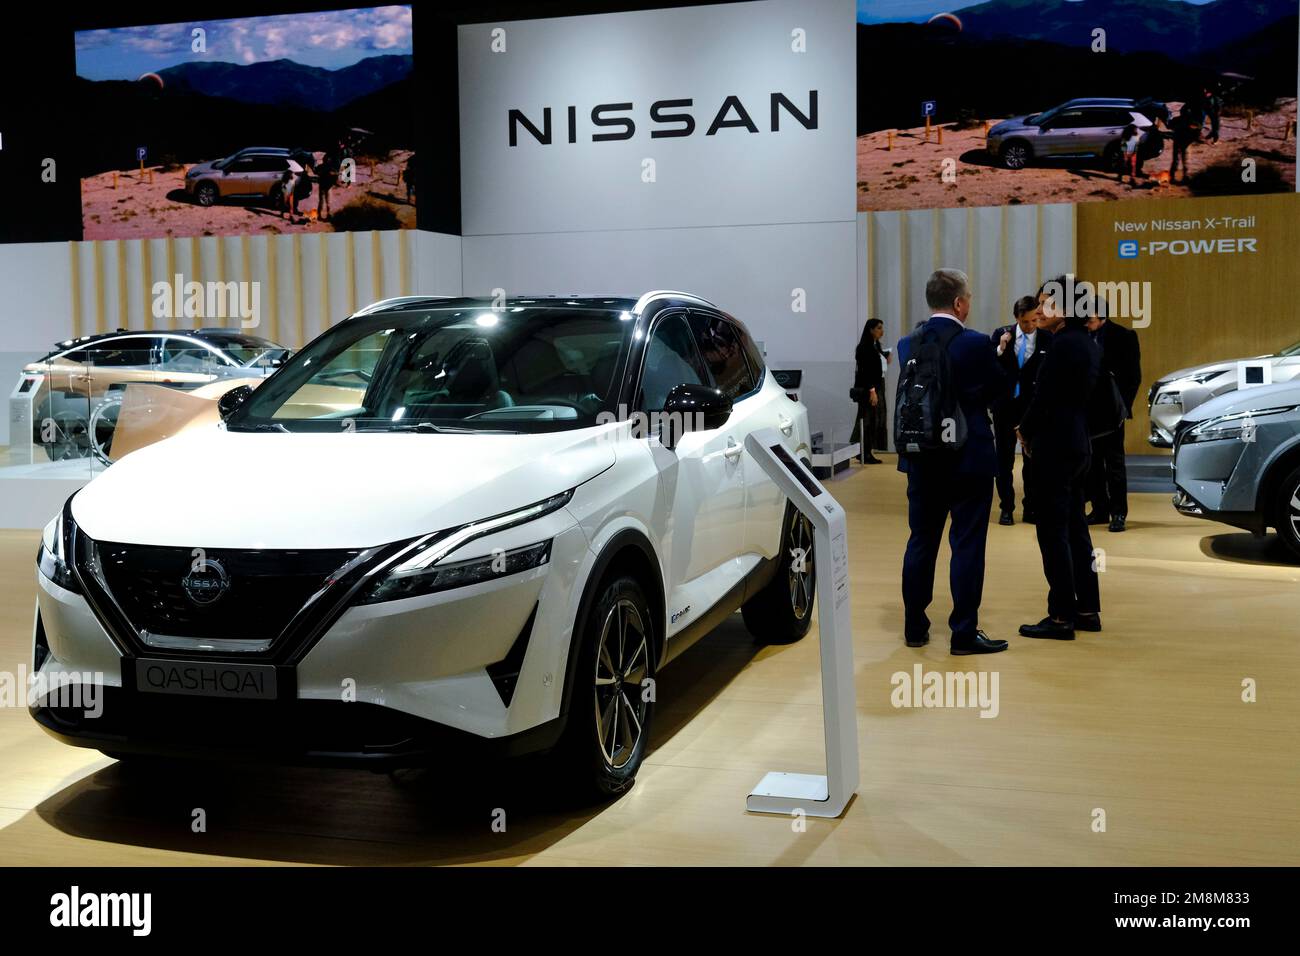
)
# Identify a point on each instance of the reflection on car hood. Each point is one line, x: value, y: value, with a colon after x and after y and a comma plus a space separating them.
x: 1249, y: 399
x: 212, y: 488
x: 1209, y: 367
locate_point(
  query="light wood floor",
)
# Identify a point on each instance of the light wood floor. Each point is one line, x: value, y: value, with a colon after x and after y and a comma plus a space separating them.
x: 1144, y: 721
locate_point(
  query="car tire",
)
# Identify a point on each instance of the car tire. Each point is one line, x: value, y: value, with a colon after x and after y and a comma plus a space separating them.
x: 1016, y: 154
x: 206, y: 194
x: 612, y: 707
x: 781, y: 612
x: 1286, y: 512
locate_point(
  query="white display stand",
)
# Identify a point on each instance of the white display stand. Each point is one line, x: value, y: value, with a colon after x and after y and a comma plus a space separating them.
x: 814, y: 794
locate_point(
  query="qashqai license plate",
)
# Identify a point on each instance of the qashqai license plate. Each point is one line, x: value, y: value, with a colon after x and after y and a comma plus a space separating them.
x: 205, y: 678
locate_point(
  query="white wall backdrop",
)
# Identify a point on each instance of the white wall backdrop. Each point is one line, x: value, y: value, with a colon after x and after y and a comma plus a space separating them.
x: 755, y: 222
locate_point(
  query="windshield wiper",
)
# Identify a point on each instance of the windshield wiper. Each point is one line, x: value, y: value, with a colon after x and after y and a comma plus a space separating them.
x: 256, y: 427
x: 433, y: 429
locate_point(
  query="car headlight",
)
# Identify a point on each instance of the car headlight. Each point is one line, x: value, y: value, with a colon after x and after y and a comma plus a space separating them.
x: 1231, y: 427
x: 1169, y: 398
x: 53, y: 556
x: 193, y: 173
x: 419, y: 569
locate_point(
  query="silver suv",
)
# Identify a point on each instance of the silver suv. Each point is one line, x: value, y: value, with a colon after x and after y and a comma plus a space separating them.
x: 1237, y: 460
x: 1174, y: 395
x: 1084, y: 128
x: 252, y: 173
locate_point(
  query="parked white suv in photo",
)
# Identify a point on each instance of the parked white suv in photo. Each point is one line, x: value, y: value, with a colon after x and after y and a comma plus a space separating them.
x: 440, y: 523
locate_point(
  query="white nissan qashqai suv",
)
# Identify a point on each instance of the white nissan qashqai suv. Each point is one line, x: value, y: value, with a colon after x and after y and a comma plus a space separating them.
x: 444, y: 522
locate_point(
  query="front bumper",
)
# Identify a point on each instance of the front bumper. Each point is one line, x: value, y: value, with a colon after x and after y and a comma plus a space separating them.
x: 295, y: 732
x: 391, y: 683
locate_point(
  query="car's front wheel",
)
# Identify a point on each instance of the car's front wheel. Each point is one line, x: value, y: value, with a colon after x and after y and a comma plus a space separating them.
x: 613, y: 696
x: 1287, y: 512
x: 206, y: 194
x: 781, y: 612
x: 1016, y: 154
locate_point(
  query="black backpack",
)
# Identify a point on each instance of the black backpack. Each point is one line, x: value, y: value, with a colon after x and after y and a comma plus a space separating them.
x: 1105, y: 410
x: 926, y: 411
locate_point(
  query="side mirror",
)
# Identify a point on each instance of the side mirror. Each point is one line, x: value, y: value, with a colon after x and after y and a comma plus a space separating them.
x: 692, y: 408
x: 232, y: 399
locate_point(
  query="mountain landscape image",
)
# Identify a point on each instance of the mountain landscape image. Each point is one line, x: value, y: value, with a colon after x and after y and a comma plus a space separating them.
x: 1017, y: 56
x: 192, y: 93
x: 980, y: 64
x: 203, y: 110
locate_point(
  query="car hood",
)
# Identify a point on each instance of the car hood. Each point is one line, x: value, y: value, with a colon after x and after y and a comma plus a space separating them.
x: 1247, y: 400
x: 212, y: 488
x: 1208, y: 367
x: 207, y: 167
x: 1016, y: 122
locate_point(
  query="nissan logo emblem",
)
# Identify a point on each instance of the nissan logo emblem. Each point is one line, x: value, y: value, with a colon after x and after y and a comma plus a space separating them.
x: 207, y: 583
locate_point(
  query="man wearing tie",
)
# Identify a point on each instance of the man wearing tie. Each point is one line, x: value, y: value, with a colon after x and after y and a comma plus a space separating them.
x: 1020, y: 349
x: 952, y: 482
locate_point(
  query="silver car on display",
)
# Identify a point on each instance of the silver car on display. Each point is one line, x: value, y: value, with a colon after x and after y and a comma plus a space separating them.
x: 1089, y: 127
x: 1237, y: 460
x: 1174, y: 395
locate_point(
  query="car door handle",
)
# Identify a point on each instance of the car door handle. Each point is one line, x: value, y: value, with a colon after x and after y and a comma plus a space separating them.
x: 733, y: 449
x: 786, y: 425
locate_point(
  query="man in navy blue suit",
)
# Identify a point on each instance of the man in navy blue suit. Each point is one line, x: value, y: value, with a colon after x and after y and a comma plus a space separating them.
x: 956, y: 482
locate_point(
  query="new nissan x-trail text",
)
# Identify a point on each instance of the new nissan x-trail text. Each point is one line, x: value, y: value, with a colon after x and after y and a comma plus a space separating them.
x: 456, y: 524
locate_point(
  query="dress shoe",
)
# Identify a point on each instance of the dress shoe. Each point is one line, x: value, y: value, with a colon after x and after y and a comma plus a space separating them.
x: 979, y: 644
x: 872, y: 460
x: 1087, y: 622
x: 1098, y: 517
x: 1007, y: 518
x: 1118, y: 523
x: 918, y: 641
x: 1053, y: 630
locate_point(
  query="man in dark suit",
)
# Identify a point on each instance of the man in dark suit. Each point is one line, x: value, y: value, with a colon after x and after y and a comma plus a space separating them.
x: 1108, y: 476
x: 957, y: 482
x: 1054, y: 431
x: 1020, y: 349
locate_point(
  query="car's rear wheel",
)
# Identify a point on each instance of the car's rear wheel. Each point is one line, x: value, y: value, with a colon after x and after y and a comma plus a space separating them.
x: 1016, y: 154
x: 781, y: 612
x: 1111, y: 158
x: 206, y: 194
x: 613, y: 697
x: 1287, y: 512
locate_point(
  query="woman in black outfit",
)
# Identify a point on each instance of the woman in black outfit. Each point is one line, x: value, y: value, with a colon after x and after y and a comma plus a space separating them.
x: 869, y: 386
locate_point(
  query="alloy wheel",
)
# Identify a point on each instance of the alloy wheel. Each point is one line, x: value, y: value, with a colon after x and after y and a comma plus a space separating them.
x: 802, y: 578
x: 1294, y: 516
x: 622, y: 663
x: 1016, y: 156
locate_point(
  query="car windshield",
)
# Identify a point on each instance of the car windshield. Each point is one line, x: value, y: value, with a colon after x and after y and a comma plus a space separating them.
x: 251, y: 351
x: 517, y: 369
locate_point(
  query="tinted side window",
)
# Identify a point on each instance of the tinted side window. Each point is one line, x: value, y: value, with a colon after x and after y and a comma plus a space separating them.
x: 120, y: 353
x: 1071, y: 119
x: 752, y: 353
x: 670, y: 360
x: 723, y: 354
